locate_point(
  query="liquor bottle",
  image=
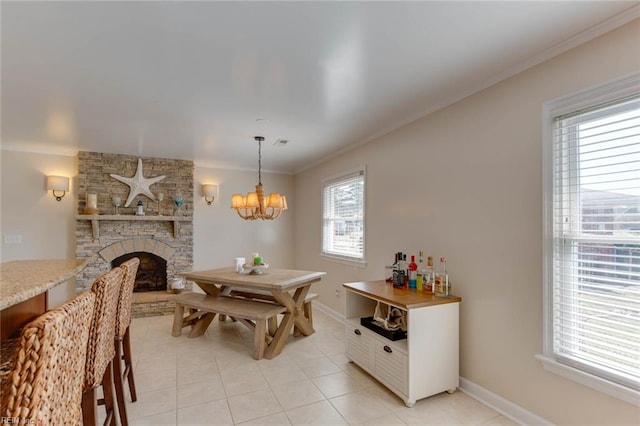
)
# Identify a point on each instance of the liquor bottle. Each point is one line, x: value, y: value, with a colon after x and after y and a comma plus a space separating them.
x: 398, y: 272
x: 413, y: 273
x: 393, y: 267
x: 420, y: 279
x: 428, y: 286
x: 441, y: 282
x: 406, y: 269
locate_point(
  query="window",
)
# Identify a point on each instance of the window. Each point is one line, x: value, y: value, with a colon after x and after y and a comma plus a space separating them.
x: 343, y: 217
x: 592, y: 225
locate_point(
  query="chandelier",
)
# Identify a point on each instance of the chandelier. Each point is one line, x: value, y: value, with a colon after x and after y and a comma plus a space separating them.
x: 255, y: 205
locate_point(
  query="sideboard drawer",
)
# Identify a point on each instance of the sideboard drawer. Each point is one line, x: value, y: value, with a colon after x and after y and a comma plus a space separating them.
x: 391, y: 366
x: 359, y: 347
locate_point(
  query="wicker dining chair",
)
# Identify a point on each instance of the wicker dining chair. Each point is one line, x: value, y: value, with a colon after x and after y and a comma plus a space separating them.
x: 101, y: 350
x: 123, y: 340
x: 44, y: 387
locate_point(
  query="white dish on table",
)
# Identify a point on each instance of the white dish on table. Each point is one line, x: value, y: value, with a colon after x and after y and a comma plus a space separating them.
x: 250, y: 268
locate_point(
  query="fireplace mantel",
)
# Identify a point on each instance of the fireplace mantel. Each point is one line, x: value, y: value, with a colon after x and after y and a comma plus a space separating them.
x: 95, y: 221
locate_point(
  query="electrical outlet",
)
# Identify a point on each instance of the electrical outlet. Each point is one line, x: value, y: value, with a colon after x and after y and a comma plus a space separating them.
x: 13, y: 239
x: 338, y: 293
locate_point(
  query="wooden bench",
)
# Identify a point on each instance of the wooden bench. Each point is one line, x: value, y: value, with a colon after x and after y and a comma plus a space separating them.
x: 266, y: 296
x: 251, y: 313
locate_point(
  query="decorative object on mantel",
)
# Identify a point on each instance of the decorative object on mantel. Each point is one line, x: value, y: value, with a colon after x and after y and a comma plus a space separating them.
x: 140, y: 208
x: 255, y: 205
x: 178, y: 200
x: 92, y: 203
x: 159, y: 201
x: 116, y: 202
x: 209, y: 192
x: 58, y: 184
x: 138, y: 183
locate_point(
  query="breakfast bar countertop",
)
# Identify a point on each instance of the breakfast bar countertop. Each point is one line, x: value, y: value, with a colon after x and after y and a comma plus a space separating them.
x: 23, y: 279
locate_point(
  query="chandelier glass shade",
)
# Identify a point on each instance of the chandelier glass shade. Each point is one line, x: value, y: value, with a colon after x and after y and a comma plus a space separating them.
x: 255, y: 205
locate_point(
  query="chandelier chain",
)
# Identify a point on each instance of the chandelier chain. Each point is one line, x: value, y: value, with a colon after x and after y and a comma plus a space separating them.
x: 259, y: 161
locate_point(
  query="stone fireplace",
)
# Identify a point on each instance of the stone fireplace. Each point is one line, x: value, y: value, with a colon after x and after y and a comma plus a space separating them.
x: 163, y: 242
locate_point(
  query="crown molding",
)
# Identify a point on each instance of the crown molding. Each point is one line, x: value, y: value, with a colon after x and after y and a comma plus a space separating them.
x: 574, y: 41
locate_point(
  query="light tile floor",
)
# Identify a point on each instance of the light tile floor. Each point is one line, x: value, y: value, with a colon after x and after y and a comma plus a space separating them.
x: 212, y: 380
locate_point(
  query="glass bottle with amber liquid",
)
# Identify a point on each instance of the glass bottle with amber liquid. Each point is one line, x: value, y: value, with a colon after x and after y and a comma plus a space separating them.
x: 428, y: 275
x: 441, y: 280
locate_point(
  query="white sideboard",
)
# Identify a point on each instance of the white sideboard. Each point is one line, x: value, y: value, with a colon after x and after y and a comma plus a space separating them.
x: 423, y: 364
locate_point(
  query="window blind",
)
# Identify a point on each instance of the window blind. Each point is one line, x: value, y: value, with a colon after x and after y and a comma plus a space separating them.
x: 596, y: 241
x: 343, y: 217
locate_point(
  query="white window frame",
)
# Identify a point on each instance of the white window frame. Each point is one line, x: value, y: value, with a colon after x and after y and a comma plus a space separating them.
x: 346, y: 259
x: 601, y: 94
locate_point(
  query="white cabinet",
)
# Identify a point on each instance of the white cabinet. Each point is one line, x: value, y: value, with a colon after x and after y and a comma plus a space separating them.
x: 423, y: 364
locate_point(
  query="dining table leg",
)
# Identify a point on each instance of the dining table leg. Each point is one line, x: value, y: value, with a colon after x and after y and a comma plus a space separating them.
x: 293, y: 316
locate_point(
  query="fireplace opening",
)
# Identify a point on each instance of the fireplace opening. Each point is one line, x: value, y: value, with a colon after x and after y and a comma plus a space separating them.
x: 152, y: 272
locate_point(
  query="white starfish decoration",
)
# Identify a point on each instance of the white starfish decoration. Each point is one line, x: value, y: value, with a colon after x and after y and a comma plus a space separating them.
x: 138, y: 183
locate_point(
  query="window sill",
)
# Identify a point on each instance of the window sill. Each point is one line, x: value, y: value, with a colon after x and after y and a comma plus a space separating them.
x: 344, y: 261
x: 601, y: 385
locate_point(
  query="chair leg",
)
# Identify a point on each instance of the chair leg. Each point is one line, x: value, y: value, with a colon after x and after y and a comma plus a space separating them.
x: 107, y: 390
x: 117, y: 377
x: 89, y: 405
x: 128, y: 365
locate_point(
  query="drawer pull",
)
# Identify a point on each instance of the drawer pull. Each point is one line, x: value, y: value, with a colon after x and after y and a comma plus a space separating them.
x: 358, y: 332
x: 387, y: 349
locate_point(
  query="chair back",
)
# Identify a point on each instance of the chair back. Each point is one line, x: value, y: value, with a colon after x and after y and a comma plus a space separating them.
x: 100, y: 351
x: 44, y: 385
x: 123, y: 321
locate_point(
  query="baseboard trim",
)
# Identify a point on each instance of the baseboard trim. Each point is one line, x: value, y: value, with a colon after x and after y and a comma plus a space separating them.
x: 501, y: 405
x: 327, y: 310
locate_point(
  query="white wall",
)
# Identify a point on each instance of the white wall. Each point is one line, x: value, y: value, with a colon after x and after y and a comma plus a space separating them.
x: 219, y: 233
x: 47, y: 226
x: 465, y: 182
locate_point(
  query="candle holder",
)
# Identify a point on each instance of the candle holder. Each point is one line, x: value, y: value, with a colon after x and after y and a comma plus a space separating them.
x: 159, y: 202
x: 116, y: 202
x: 178, y: 201
x: 91, y: 206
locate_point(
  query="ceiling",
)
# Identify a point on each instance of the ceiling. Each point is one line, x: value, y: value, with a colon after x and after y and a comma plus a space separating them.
x: 188, y: 80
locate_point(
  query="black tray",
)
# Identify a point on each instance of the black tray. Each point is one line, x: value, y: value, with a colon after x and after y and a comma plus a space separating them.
x: 369, y: 323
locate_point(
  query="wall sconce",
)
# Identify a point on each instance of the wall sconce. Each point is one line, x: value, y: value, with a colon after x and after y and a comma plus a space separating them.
x: 209, y: 192
x: 59, y: 185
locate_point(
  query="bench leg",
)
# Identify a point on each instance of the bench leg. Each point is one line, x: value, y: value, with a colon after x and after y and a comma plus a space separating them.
x: 259, y: 338
x: 177, y: 320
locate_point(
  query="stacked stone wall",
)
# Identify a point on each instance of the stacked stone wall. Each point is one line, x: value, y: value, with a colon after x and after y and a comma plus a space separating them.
x: 94, y: 171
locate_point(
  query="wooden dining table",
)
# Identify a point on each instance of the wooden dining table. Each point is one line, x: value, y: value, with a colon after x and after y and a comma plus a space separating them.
x: 288, y: 287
